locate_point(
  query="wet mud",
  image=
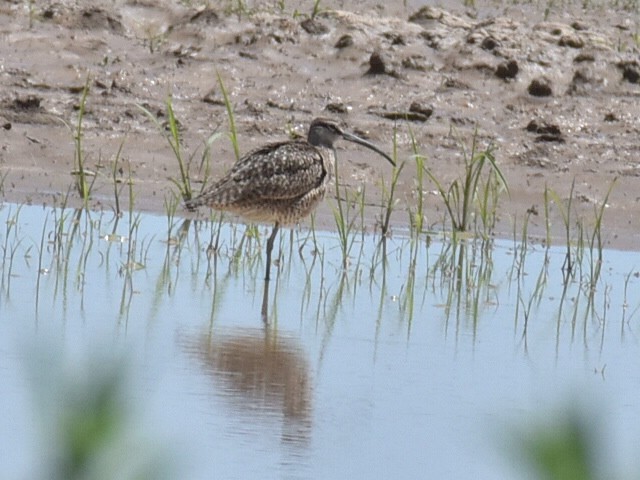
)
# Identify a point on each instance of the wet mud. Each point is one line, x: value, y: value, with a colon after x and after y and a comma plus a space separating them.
x: 556, y: 91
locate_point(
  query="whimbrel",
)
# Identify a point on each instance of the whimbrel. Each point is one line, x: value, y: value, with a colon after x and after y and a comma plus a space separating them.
x: 283, y: 182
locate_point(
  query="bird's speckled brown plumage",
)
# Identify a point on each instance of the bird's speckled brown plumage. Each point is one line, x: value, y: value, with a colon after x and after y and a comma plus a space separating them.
x: 280, y: 182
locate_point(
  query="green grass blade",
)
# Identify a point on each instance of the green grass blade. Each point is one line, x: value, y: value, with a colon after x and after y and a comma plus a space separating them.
x: 233, y: 134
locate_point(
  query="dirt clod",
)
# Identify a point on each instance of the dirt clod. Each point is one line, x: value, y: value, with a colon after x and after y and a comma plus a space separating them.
x: 489, y: 43
x: 571, y: 40
x: 583, y: 81
x: 507, y: 70
x: 377, y: 64
x: 28, y: 102
x: 422, y: 108
x: 48, y: 13
x: 541, y: 126
x: 540, y: 87
x: 314, y: 27
x: 415, y: 62
x: 579, y: 26
x: 205, y: 15
x: 98, y: 18
x: 584, y: 57
x: 344, y: 41
x: 394, y: 38
x: 547, y: 132
x: 631, y: 72
x: 337, y: 107
x: 408, y: 116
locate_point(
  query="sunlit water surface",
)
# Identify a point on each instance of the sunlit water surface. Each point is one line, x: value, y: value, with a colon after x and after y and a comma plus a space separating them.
x: 417, y: 367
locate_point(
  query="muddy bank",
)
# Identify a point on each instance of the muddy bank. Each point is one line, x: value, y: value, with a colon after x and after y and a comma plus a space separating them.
x: 557, y: 96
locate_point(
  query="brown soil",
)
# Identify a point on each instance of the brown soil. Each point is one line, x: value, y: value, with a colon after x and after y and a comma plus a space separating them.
x: 558, y: 97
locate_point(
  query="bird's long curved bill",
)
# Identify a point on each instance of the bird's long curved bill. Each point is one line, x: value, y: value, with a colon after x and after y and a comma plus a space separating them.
x: 360, y: 141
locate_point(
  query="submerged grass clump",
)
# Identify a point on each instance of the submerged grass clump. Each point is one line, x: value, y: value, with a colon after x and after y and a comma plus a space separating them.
x: 84, y: 178
x: 80, y: 172
x: 389, y: 200
x: 3, y: 179
x: 9, y: 250
x: 346, y: 221
x: 566, y: 213
x: 114, y: 177
x: 580, y: 239
x: 417, y: 216
x: 233, y: 133
x: 81, y: 175
x: 172, y: 135
x: 581, y: 267
x: 471, y: 200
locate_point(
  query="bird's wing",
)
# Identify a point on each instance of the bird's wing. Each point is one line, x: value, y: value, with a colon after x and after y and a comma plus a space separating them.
x: 275, y: 171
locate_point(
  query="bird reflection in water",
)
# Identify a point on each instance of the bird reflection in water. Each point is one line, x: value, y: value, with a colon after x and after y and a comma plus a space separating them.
x: 263, y: 373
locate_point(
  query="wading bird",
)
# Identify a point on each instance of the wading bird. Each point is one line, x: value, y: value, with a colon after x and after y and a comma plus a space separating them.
x: 283, y: 182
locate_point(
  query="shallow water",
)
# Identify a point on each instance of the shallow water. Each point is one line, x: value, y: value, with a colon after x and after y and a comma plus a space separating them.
x: 413, y: 367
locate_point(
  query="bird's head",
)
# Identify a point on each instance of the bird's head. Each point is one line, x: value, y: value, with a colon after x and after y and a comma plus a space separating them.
x: 323, y: 132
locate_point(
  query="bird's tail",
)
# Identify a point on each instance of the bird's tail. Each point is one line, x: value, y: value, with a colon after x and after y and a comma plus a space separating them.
x: 193, y: 203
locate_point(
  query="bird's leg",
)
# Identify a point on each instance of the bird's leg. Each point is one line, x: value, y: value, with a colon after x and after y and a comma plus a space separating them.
x: 265, y: 304
x: 272, y: 238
